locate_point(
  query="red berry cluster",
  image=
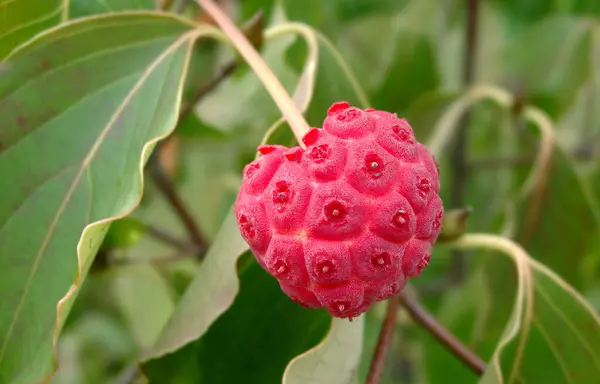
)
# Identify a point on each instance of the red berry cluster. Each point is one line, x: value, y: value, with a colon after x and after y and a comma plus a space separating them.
x: 343, y: 223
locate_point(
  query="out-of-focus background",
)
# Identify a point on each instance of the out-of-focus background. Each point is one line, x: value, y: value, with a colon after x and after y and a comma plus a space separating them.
x: 412, y: 57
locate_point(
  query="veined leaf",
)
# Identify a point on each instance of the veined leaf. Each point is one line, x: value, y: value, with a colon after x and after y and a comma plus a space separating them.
x: 82, y: 105
x: 552, y: 60
x: 209, y: 298
x: 209, y: 295
x: 251, y: 342
x: 553, y: 333
x: 22, y: 19
x: 335, y: 360
x: 81, y: 8
x: 542, y: 230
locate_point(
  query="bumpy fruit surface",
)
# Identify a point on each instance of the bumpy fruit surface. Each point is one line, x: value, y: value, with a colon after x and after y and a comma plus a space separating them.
x: 343, y: 223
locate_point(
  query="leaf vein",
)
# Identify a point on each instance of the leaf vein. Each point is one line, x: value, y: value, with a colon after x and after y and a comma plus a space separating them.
x: 570, y: 324
x: 31, y: 23
x: 148, y: 71
x: 554, y: 349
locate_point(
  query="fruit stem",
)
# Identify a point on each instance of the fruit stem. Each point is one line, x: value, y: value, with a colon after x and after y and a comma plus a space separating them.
x: 283, y: 100
x: 383, y: 344
x: 443, y: 335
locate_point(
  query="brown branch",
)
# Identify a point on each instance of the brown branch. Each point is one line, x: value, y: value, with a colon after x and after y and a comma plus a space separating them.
x: 458, y: 156
x: 163, y: 180
x: 208, y: 87
x: 180, y: 6
x: 170, y: 239
x: 166, y: 186
x: 253, y: 30
x: 437, y: 330
x: 383, y: 344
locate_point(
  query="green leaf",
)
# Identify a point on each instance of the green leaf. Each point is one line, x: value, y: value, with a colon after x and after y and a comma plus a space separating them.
x: 81, y: 8
x: 94, y: 350
x: 335, y: 360
x: 552, y: 332
x: 467, y: 313
x: 23, y: 19
x: 334, y: 82
x: 412, y: 73
x: 209, y: 295
x: 551, y: 60
x: 250, y: 7
x: 247, y: 96
x: 145, y: 299
x: 208, y: 298
x: 123, y: 233
x: 520, y: 14
x: 120, y: 77
x: 541, y: 218
x: 329, y: 17
x: 251, y: 342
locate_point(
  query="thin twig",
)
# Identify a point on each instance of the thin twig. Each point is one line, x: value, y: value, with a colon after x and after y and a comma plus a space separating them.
x: 383, y: 344
x: 454, y: 345
x: 254, y: 29
x: 460, y: 170
x: 165, y: 185
x: 170, y: 239
x: 208, y: 87
x: 180, y: 6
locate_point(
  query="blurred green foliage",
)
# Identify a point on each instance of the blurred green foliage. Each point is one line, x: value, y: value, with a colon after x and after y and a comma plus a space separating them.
x: 406, y: 57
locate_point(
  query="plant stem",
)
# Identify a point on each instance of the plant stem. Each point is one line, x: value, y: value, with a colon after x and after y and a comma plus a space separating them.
x: 283, y: 100
x: 453, y: 344
x: 165, y: 185
x: 458, y: 156
x: 383, y: 344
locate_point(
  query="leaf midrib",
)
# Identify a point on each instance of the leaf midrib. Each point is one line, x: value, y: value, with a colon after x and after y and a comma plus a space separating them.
x: 38, y: 129
x: 573, y: 328
x: 555, y: 351
x: 147, y: 72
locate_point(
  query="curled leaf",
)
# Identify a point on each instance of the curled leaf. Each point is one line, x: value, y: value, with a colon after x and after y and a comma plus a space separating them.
x: 550, y: 321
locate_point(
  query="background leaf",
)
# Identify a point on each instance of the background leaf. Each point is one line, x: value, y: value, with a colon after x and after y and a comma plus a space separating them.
x: 81, y: 8
x: 209, y: 295
x: 561, y: 328
x: 547, y: 237
x: 327, y: 363
x: 551, y: 61
x: 412, y: 73
x: 23, y: 19
x: 64, y: 175
x: 251, y: 331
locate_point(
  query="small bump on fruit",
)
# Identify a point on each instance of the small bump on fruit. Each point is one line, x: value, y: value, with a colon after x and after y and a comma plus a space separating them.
x: 344, y: 222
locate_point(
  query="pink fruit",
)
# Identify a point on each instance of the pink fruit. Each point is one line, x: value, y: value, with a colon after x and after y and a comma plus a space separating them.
x: 343, y: 223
